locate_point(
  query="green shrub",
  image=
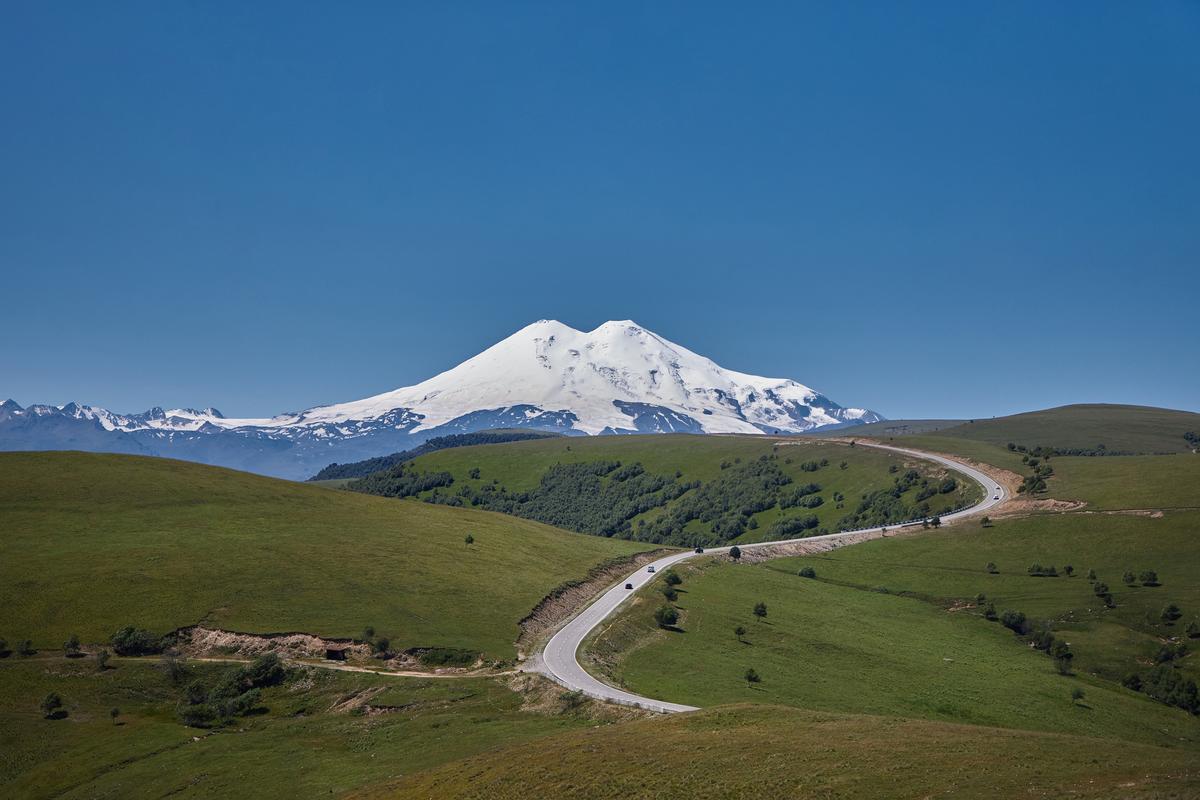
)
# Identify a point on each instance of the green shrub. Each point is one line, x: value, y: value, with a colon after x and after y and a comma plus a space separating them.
x: 446, y: 657
x: 666, y: 617
x: 51, y: 706
x: 1014, y: 621
x: 131, y: 641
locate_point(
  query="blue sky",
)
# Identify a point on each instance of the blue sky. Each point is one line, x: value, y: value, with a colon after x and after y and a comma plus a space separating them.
x: 978, y: 209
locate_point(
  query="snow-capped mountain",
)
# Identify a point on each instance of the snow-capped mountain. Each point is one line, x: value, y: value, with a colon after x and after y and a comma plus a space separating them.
x: 618, y: 378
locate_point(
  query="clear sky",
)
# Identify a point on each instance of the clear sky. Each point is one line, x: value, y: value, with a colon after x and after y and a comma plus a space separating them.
x: 957, y: 209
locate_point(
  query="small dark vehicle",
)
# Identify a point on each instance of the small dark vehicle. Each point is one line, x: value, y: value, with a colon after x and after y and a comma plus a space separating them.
x: 629, y: 586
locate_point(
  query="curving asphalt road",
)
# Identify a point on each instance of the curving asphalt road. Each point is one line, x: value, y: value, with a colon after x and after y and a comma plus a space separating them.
x: 559, y: 660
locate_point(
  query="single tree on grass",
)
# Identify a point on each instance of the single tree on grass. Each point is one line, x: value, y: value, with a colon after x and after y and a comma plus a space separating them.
x: 739, y: 632
x: 672, y: 578
x: 1076, y: 694
x: 1062, y: 655
x: 992, y: 568
x: 71, y: 646
x: 368, y: 634
x: 1069, y: 571
x: 102, y: 660
x: 1128, y: 578
x: 469, y: 540
x: 25, y: 648
x: 1171, y: 613
x: 51, y: 705
x: 735, y: 552
x: 751, y: 677
x: 670, y: 593
x: 113, y: 713
x: 986, y: 522
x: 760, y: 610
x: 1148, y: 578
x: 1193, y: 630
x: 989, y: 612
x: 936, y: 522
x: 808, y: 572
x: 1091, y: 576
x: 666, y: 617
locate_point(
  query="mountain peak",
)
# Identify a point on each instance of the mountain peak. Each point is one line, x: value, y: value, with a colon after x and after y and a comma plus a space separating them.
x: 619, y: 377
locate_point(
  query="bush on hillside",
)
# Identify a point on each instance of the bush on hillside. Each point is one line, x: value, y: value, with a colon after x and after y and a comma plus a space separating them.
x: 446, y: 657
x: 131, y: 641
x: 1014, y: 621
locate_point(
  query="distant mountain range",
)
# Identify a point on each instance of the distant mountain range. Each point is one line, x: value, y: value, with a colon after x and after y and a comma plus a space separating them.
x: 619, y: 378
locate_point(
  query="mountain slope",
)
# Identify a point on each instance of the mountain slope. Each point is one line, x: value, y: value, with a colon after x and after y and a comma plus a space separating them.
x: 618, y: 378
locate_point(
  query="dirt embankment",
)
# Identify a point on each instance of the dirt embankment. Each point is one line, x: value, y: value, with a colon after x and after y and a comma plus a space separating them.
x: 540, y: 695
x: 562, y: 603
x: 808, y: 547
x: 200, y: 642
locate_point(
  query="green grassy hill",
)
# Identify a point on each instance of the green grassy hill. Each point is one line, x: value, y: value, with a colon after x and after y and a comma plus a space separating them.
x: 685, y: 490
x: 782, y: 753
x: 895, y: 626
x: 1112, y: 428
x: 94, y: 542
x: 832, y: 647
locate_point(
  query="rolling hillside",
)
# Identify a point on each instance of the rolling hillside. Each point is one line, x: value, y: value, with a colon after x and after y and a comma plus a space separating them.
x: 95, y: 542
x: 1097, y: 427
x: 899, y: 625
x: 680, y: 489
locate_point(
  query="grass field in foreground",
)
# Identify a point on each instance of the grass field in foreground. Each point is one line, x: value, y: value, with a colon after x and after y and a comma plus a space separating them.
x: 518, y: 466
x: 306, y: 743
x: 776, y: 753
x: 94, y: 542
x: 838, y: 648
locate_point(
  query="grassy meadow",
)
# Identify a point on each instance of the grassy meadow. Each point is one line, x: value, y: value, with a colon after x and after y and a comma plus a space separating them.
x: 829, y: 647
x: 778, y: 753
x: 321, y: 733
x: 95, y: 542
